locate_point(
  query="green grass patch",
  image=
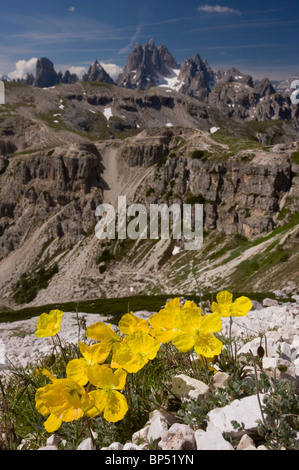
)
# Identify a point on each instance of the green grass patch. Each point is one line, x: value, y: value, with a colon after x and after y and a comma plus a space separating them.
x: 296, y: 157
x: 28, y: 286
x: 235, y: 144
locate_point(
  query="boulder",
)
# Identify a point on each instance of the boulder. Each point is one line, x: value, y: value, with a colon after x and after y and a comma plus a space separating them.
x: 220, y: 379
x: 211, y: 440
x: 246, y: 443
x: 245, y: 410
x: 157, y: 426
x: 178, y: 437
x: 187, y: 388
x: 87, y: 444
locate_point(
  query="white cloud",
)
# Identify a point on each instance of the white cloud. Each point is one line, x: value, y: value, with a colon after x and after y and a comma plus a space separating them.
x: 71, y: 8
x: 112, y: 69
x: 79, y: 71
x: 22, y: 68
x: 219, y: 9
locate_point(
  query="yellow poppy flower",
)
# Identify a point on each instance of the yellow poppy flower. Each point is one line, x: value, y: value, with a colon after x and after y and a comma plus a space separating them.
x: 48, y: 324
x: 103, y: 334
x: 129, y: 323
x: 106, y: 397
x: 77, y: 369
x: 227, y: 308
x: 64, y: 401
x: 133, y: 353
x: 194, y: 330
x: 163, y: 321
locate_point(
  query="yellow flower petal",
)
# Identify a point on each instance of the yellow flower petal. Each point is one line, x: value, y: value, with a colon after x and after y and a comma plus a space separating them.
x: 190, y: 304
x: 77, y: 370
x: 64, y: 398
x: 188, y: 319
x: 116, y: 407
x: 163, y: 321
x: 227, y: 308
x: 99, y: 398
x: 48, y: 325
x: 163, y: 335
x: 138, y: 349
x: 96, y: 353
x: 143, y: 343
x: 102, y: 376
x: 119, y: 379
x: 40, y: 404
x: 103, y: 333
x: 212, y: 323
x: 52, y: 424
x: 183, y: 341
x: 49, y: 374
x: 224, y: 297
x: 207, y: 345
x: 129, y: 323
x: 241, y: 306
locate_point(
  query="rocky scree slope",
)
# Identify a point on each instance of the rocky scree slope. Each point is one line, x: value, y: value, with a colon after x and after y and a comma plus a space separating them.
x: 67, y: 149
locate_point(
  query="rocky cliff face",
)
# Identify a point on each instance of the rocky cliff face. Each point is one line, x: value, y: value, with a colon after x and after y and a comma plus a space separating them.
x: 66, y: 150
x: 243, y: 193
x: 46, y: 75
x: 197, y: 77
x: 59, y: 188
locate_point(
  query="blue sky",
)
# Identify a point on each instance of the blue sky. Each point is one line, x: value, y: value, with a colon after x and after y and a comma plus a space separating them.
x: 257, y: 37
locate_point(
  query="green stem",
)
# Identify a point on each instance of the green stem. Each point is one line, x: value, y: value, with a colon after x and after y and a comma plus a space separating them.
x: 230, y: 338
x: 90, y: 431
x: 62, y: 349
x: 257, y: 388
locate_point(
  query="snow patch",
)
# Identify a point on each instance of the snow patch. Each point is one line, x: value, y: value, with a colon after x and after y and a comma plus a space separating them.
x: 176, y: 250
x: 214, y: 129
x: 107, y: 113
x: 172, y: 81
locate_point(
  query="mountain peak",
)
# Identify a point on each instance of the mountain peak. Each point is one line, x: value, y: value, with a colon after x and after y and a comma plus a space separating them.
x: 150, y: 66
x: 150, y: 44
x: 45, y: 73
x: 97, y: 73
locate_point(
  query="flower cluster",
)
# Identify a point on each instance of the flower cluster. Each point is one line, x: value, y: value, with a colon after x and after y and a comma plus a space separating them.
x: 95, y: 383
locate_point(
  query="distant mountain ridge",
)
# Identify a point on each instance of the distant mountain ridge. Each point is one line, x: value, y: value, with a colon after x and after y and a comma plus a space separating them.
x: 151, y: 66
x: 230, y: 92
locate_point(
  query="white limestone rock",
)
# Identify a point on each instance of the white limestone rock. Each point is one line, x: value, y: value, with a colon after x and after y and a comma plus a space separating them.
x: 87, y: 444
x: 187, y: 388
x: 245, y: 411
x: 178, y: 437
x: 246, y: 443
x: 211, y: 440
